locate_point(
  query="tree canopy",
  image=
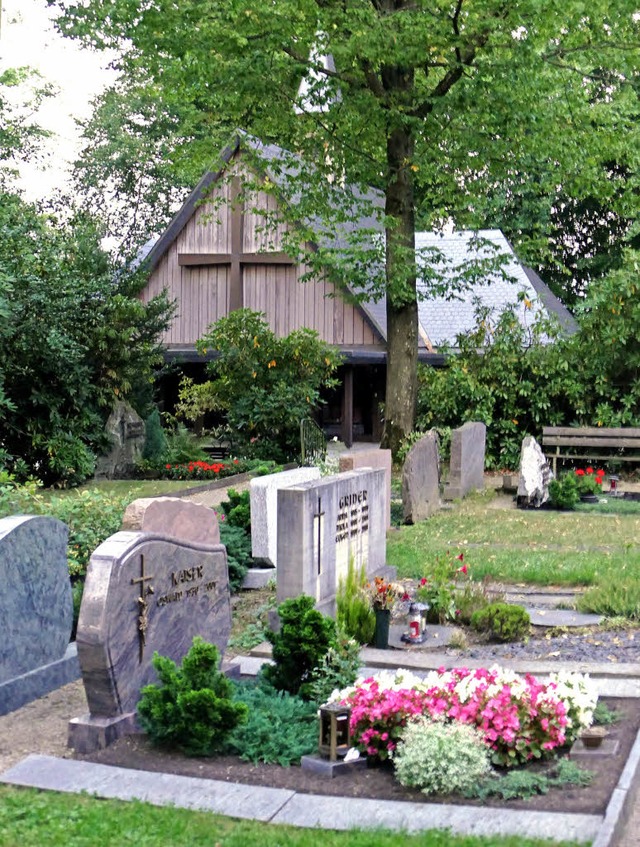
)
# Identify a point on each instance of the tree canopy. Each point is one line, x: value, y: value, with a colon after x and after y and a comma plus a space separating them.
x: 436, y: 104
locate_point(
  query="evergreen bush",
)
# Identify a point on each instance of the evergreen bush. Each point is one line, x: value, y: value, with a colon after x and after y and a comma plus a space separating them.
x: 338, y: 669
x: 304, y: 639
x: 563, y: 492
x: 155, y: 442
x: 502, y: 621
x: 192, y: 708
x: 239, y: 558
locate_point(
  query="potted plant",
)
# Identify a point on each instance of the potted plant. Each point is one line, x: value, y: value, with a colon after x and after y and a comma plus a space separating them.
x: 589, y: 483
x: 382, y: 595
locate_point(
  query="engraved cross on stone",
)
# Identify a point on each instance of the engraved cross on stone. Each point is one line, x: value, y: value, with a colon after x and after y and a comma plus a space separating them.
x: 143, y: 606
x: 318, y: 517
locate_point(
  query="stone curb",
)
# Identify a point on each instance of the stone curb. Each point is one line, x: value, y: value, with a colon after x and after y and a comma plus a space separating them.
x: 622, y: 800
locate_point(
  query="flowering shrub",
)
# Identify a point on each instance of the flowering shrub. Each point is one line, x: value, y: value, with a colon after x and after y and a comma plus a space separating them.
x: 200, y: 470
x: 439, y: 757
x: 519, y: 717
x: 589, y: 481
x: 438, y: 587
x: 580, y: 697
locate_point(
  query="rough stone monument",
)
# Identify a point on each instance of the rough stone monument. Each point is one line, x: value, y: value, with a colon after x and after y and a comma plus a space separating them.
x: 126, y: 430
x: 174, y: 517
x: 325, y: 524
x: 36, y: 610
x: 144, y: 592
x: 421, y: 479
x: 535, y: 475
x: 466, y: 467
x: 371, y: 458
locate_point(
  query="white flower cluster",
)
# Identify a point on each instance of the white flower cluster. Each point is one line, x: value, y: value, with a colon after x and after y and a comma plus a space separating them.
x: 580, y: 696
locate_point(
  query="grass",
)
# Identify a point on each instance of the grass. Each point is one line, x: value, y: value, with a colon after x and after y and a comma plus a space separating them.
x: 29, y: 818
x: 540, y: 547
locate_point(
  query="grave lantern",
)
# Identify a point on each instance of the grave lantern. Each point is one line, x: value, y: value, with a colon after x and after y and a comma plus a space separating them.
x: 613, y: 485
x: 335, y: 732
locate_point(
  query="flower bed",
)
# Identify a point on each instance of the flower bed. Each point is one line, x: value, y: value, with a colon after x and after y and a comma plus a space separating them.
x: 519, y: 717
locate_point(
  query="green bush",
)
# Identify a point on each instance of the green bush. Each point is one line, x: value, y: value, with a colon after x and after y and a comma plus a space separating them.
x: 563, y: 492
x: 440, y: 758
x: 519, y: 784
x: 304, y: 639
x: 239, y: 558
x: 280, y: 728
x: 338, y: 669
x: 155, y: 442
x: 502, y: 621
x: 192, y: 709
x: 237, y: 509
x: 354, y: 613
x: 264, y: 385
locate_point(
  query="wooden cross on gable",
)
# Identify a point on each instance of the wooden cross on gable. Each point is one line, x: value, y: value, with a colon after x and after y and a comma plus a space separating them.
x: 236, y: 258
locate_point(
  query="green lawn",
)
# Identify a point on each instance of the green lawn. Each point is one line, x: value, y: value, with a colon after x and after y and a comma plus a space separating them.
x: 31, y: 818
x: 585, y: 547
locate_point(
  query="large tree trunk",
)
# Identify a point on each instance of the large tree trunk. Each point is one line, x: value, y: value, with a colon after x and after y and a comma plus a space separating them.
x: 402, y: 305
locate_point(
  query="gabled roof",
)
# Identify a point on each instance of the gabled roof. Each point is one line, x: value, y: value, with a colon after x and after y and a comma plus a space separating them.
x: 441, y: 318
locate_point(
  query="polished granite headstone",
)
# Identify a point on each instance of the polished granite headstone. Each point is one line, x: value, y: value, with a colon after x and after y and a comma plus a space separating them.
x: 173, y: 516
x: 36, y: 610
x: 144, y: 593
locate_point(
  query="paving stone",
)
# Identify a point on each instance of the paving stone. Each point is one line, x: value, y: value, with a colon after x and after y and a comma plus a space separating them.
x: 562, y: 617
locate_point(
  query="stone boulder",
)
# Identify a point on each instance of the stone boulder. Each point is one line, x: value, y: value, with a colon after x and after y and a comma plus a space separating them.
x: 535, y: 475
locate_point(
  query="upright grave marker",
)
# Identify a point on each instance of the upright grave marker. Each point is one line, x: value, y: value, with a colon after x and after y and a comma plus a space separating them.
x: 325, y: 524
x: 36, y: 610
x: 421, y: 479
x: 373, y: 457
x: 466, y: 467
x: 144, y: 592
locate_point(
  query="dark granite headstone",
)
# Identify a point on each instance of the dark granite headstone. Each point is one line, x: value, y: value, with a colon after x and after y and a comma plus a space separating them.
x: 466, y: 467
x: 421, y: 479
x: 36, y: 610
x: 144, y: 592
x: 323, y: 525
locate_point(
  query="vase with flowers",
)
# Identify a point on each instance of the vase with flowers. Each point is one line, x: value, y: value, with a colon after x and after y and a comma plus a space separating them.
x: 382, y: 595
x: 589, y: 483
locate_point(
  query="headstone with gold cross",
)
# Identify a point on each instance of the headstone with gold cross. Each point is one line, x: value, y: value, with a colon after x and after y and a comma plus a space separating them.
x: 144, y: 593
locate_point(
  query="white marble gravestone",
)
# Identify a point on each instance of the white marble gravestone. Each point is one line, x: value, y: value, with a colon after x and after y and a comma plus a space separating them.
x: 144, y: 592
x: 325, y: 524
x: 36, y: 610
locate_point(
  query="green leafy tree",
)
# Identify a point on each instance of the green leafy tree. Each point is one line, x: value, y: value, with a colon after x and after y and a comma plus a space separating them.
x: 431, y: 103
x: 263, y: 384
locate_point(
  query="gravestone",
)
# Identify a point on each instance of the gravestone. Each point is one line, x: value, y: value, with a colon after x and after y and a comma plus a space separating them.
x: 264, y: 510
x: 144, y: 592
x: 325, y: 524
x: 174, y: 517
x: 466, y: 467
x: 36, y: 610
x: 126, y: 432
x: 535, y: 475
x: 370, y: 458
x: 421, y: 479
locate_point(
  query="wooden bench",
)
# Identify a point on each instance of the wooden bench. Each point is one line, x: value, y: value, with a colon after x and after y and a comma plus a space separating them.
x: 217, y: 451
x: 609, y: 444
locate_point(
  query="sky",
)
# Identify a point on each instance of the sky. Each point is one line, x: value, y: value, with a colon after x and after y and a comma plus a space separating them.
x: 28, y: 38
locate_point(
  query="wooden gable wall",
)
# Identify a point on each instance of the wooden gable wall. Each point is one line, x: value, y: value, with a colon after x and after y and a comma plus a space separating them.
x: 203, y: 291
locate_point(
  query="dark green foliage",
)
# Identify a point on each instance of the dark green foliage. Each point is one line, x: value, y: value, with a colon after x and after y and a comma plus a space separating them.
x: 338, y: 668
x: 354, y: 613
x: 192, y: 708
x: 74, y: 337
x: 280, y: 727
x: 519, y: 784
x: 239, y: 558
x: 603, y: 715
x: 502, y: 621
x: 472, y: 598
x: 155, y: 443
x: 237, y: 509
x: 264, y: 385
x: 563, y: 492
x: 305, y: 637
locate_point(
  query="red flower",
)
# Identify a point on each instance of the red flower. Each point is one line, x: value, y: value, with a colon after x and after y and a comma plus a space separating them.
x: 460, y: 557
x: 579, y: 472
x: 168, y: 467
x: 589, y: 471
x: 463, y: 569
x: 235, y: 461
x: 598, y: 480
x: 423, y: 581
x: 600, y: 472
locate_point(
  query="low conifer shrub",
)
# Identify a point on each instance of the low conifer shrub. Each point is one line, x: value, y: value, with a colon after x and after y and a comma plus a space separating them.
x: 502, y: 621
